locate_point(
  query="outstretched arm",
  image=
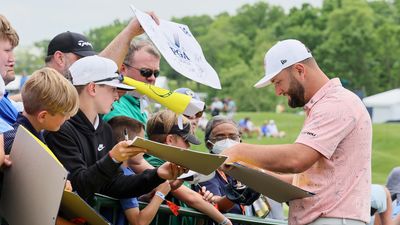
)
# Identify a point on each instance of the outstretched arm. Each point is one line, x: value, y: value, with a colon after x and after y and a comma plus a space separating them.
x: 195, y: 200
x: 286, y: 158
x: 118, y: 47
x: 146, y: 215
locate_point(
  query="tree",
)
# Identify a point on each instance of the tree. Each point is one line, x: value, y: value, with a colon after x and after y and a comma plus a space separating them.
x: 348, y: 46
x: 100, y: 37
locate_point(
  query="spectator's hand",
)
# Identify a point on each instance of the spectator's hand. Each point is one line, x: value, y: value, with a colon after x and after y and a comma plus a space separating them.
x: 7, y: 162
x: 68, y: 186
x: 207, y: 195
x: 170, y: 171
x: 124, y: 150
x: 164, y: 188
x: 175, y: 184
x: 137, y: 28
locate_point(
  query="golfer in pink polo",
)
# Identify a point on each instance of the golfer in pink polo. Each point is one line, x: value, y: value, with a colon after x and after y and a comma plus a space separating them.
x: 331, y: 157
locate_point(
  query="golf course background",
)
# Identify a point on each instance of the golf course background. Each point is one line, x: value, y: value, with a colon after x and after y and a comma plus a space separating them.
x: 385, y: 141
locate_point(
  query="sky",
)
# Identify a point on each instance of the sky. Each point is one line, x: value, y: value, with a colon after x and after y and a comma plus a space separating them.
x: 43, y: 19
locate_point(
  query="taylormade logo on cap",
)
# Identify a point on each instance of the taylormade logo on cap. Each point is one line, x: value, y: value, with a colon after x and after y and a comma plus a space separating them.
x: 282, y: 55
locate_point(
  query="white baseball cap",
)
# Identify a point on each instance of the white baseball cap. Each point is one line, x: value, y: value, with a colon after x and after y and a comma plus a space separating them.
x: 96, y: 69
x: 282, y: 55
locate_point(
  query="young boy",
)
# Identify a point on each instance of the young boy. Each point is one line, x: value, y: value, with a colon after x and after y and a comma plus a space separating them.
x: 8, y: 40
x: 85, y: 146
x: 125, y: 127
x: 49, y: 100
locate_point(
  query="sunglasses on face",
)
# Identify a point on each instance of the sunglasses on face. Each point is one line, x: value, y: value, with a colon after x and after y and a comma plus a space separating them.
x: 146, y: 72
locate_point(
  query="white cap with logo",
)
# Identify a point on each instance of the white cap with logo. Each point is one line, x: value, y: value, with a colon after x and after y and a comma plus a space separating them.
x: 282, y: 55
x: 96, y: 69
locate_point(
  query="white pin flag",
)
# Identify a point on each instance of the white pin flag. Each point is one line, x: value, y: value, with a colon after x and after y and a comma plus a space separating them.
x: 180, y: 49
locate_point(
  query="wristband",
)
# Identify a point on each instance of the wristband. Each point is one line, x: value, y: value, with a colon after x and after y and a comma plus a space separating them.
x: 225, y: 222
x: 114, y: 160
x: 161, y: 195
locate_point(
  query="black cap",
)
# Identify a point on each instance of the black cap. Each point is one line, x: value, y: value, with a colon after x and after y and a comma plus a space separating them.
x: 71, y: 42
x: 185, y: 132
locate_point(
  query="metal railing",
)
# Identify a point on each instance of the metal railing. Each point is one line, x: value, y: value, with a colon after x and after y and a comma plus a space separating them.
x: 164, y: 214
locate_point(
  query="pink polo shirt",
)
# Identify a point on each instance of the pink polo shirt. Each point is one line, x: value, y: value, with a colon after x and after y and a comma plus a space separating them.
x: 337, y: 126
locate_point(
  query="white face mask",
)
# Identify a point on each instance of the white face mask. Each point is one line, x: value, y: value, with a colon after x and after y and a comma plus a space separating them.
x: 221, y: 145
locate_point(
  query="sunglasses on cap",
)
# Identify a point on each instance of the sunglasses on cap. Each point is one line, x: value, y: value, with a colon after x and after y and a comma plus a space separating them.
x: 198, y: 114
x: 107, y: 79
x: 146, y: 72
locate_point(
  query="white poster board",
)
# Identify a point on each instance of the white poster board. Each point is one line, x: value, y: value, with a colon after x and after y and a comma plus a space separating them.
x: 179, y: 48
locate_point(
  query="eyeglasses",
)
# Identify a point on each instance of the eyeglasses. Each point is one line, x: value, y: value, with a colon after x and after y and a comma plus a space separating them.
x: 146, y: 72
x: 235, y: 137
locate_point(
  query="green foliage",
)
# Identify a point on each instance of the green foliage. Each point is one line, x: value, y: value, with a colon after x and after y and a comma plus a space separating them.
x: 27, y: 62
x: 355, y: 40
x: 198, y: 24
x: 102, y: 36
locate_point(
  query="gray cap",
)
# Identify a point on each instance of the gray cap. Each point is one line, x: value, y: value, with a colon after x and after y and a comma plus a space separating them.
x: 393, y: 181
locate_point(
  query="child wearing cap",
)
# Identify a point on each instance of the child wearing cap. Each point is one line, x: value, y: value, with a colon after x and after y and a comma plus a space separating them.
x: 163, y: 127
x: 85, y: 144
x: 125, y: 127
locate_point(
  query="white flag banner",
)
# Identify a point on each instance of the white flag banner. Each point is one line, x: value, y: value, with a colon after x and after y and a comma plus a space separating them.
x: 179, y: 48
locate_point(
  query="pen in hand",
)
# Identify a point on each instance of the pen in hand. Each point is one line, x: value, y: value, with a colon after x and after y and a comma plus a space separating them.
x: 126, y: 134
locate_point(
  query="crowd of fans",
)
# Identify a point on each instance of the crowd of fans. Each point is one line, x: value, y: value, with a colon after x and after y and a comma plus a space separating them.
x: 79, y: 108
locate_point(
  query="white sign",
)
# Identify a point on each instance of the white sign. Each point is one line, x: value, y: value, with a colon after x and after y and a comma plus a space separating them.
x: 181, y: 50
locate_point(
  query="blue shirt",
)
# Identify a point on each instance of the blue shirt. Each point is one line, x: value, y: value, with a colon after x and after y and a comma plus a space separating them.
x: 4, y: 126
x: 7, y: 110
x: 126, y: 203
x: 217, y: 186
x: 9, y: 136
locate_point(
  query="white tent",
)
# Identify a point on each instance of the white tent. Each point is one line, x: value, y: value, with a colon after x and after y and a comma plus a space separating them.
x: 385, y: 106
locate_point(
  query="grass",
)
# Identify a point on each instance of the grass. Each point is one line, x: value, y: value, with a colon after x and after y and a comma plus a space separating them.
x: 385, y: 142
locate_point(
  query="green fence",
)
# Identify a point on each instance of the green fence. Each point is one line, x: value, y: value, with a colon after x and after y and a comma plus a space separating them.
x: 165, y: 217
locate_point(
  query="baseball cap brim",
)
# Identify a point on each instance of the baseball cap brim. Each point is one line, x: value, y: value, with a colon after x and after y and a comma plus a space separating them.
x: 84, y: 53
x: 116, y: 83
x: 266, y: 80
x: 191, y: 139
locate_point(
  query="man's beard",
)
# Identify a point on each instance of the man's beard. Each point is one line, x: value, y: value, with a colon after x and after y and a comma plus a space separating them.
x: 296, y: 93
